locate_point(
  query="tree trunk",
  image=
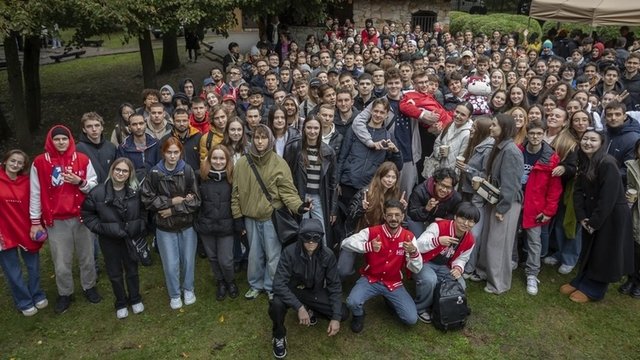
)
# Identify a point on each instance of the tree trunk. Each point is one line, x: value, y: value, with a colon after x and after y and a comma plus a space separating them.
x: 148, y: 60
x: 5, y: 128
x: 17, y: 122
x: 170, y: 57
x: 31, y: 73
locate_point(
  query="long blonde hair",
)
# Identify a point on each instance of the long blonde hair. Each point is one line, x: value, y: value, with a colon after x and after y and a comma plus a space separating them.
x: 376, y: 195
x: 564, y: 143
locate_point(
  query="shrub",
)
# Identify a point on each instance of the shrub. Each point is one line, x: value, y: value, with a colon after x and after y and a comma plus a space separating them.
x: 505, y: 23
x: 605, y: 33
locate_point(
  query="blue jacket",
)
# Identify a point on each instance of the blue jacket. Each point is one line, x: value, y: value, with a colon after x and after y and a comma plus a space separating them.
x: 142, y: 160
x: 358, y: 163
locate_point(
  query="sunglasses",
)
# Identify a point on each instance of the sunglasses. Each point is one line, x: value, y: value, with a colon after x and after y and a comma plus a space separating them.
x: 312, y: 238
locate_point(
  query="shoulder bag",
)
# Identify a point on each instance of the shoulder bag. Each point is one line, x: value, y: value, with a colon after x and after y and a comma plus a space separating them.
x: 283, y: 221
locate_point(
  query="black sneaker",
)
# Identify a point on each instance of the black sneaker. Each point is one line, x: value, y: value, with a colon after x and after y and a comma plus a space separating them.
x: 280, y: 347
x: 62, y: 304
x: 92, y: 295
x: 357, y: 323
x: 312, y: 318
x: 232, y: 288
x: 221, y: 292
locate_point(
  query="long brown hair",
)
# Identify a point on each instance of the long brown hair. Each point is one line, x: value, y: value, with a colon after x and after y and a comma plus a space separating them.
x: 304, y: 148
x: 482, y: 124
x: 205, y: 167
x: 376, y: 195
x: 507, y: 131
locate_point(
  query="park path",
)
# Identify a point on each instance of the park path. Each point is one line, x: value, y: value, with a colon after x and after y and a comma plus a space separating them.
x: 245, y: 39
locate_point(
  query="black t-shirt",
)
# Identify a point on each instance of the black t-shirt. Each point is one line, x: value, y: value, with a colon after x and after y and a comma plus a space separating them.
x: 529, y: 160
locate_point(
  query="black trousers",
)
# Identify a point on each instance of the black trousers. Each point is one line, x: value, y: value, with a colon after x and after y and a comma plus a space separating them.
x: 120, y: 269
x: 316, y: 301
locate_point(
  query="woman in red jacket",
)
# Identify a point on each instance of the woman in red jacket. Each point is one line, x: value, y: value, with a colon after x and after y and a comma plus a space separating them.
x: 15, y: 241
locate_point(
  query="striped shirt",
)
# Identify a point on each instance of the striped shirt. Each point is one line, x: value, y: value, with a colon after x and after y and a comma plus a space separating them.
x: 313, y: 171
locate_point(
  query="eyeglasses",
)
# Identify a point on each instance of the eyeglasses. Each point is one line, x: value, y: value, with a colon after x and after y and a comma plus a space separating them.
x: 121, y: 171
x: 468, y: 222
x: 311, y: 238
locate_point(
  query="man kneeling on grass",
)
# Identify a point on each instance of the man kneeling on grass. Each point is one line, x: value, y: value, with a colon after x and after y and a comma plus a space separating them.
x: 387, y: 249
x: 307, y: 280
x: 445, y: 247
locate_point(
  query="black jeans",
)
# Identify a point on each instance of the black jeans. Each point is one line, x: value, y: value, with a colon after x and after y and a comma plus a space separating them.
x: 318, y: 302
x: 120, y: 268
x: 219, y: 251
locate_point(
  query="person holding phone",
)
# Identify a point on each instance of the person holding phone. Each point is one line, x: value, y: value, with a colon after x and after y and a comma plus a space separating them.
x: 445, y: 246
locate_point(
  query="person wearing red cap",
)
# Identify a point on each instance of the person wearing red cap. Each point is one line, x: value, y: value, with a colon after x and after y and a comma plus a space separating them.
x: 60, y: 180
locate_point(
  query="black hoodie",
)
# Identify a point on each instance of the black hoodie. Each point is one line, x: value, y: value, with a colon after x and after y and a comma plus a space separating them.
x: 299, y: 270
x: 101, y: 155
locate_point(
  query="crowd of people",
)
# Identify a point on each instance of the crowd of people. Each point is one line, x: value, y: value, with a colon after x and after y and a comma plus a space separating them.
x: 379, y: 142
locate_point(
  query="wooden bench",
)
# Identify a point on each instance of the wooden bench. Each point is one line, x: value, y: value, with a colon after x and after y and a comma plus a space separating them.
x: 93, y: 42
x: 76, y: 53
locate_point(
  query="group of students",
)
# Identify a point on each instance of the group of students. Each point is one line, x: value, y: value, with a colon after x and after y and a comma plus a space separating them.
x: 383, y: 159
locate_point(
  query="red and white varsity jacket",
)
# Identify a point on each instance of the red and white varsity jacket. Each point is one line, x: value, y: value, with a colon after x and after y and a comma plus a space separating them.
x: 430, y: 247
x: 385, y: 265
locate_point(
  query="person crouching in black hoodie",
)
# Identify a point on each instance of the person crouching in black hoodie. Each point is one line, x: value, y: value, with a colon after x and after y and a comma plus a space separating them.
x: 306, y: 280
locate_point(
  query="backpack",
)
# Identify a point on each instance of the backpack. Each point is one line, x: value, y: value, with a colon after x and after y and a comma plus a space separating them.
x: 450, y: 308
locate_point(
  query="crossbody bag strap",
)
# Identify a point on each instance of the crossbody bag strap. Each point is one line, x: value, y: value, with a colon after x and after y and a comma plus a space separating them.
x: 262, y: 185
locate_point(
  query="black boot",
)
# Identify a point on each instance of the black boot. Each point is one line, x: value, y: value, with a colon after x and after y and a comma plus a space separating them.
x: 232, y: 288
x: 626, y: 288
x: 357, y: 323
x: 222, y: 290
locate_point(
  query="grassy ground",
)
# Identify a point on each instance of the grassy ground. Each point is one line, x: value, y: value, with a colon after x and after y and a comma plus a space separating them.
x: 511, y: 326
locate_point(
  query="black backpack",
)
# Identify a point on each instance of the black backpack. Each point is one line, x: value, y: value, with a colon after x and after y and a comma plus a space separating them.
x: 450, y: 308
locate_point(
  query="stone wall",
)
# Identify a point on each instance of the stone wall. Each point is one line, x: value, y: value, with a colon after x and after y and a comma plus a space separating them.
x: 398, y: 11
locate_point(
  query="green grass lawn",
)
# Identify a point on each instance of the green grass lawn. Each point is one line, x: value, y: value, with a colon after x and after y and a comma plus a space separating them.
x: 511, y: 326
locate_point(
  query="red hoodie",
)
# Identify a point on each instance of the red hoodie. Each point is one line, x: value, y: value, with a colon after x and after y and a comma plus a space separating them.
x: 51, y: 198
x: 414, y: 103
x: 202, y: 126
x: 14, y: 207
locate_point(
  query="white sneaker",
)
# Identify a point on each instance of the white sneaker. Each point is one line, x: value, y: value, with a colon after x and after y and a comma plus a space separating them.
x: 122, y: 313
x: 175, y: 303
x: 565, y: 269
x: 137, y: 308
x: 42, y: 304
x: 30, y: 311
x: 550, y: 260
x: 189, y: 297
x: 532, y: 285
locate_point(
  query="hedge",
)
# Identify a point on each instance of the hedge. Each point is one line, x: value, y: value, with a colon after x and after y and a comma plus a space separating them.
x: 604, y: 32
x: 505, y: 23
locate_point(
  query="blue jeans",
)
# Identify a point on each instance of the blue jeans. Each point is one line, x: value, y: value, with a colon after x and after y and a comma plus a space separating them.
x: 426, y: 281
x: 178, y: 255
x: 568, y: 249
x: 317, y: 213
x: 264, y: 253
x: 399, y: 298
x: 25, y: 295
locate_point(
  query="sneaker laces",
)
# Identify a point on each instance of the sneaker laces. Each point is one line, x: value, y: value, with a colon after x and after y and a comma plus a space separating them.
x: 279, y: 342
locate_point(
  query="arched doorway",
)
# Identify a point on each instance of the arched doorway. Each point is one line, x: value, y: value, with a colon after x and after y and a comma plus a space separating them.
x: 425, y: 19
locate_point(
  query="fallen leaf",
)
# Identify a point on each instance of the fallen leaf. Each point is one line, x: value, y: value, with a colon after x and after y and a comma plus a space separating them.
x: 221, y: 318
x: 39, y: 342
x: 184, y: 355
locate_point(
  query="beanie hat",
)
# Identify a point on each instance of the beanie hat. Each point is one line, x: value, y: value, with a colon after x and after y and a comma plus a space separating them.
x: 547, y: 44
x: 59, y: 130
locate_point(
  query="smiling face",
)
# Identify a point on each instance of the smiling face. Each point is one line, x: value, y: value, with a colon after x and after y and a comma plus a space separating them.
x: 556, y: 119
x: 461, y: 115
x: 393, y: 217
x: 443, y: 187
x: 580, y: 122
x: 534, y: 114
x: 14, y: 165
x: 312, y: 131
x: 378, y: 115
x: 590, y: 143
x: 120, y: 174
x: 218, y: 160
x: 520, y: 117
x: 516, y: 95
x: 279, y: 120
x: 499, y: 99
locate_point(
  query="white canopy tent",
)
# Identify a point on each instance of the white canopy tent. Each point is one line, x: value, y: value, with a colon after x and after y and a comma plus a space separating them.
x: 592, y: 12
